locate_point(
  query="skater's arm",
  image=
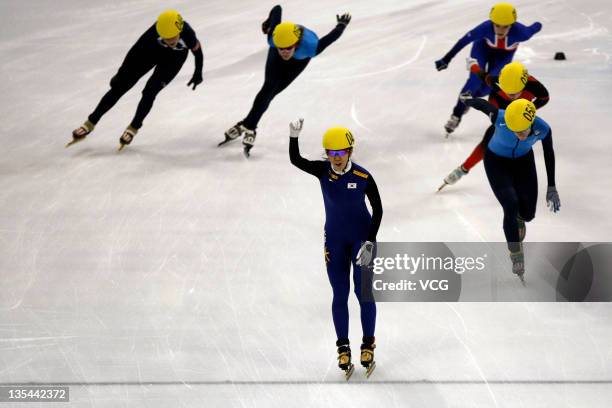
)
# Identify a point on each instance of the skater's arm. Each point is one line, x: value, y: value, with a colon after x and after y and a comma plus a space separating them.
x: 191, y: 41
x: 523, y: 32
x: 549, y: 158
x: 476, y: 34
x: 274, y: 19
x: 483, y: 106
x: 198, y: 55
x: 377, y: 211
x: 539, y: 91
x: 316, y: 168
x: 335, y: 33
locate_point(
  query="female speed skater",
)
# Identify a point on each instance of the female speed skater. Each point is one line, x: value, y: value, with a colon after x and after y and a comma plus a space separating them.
x: 350, y: 234
x: 163, y: 48
x: 511, y: 170
x: 291, y: 48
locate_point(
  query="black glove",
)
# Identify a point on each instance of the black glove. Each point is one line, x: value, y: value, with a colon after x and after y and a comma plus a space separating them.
x: 196, y: 80
x: 265, y: 26
x: 343, y: 19
x: 441, y: 64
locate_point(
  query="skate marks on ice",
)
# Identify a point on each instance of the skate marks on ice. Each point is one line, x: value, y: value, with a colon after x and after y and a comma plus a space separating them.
x: 393, y: 68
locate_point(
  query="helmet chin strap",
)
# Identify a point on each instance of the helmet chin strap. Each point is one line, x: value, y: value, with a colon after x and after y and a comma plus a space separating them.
x: 346, y: 168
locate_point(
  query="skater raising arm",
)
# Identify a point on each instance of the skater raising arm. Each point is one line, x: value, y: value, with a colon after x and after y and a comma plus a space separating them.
x: 350, y: 232
x: 334, y: 34
x: 274, y: 18
x: 316, y: 167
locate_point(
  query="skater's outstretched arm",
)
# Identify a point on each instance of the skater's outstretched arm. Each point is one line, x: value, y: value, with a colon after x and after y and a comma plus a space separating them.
x: 482, y: 105
x: 342, y: 22
x: 274, y: 19
x: 377, y: 211
x: 316, y: 168
x: 477, y: 33
x: 521, y: 32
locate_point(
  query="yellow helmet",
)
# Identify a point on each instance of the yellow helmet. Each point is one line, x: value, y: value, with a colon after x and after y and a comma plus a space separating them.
x: 503, y: 14
x: 169, y: 24
x: 338, y: 138
x: 513, y: 78
x: 520, y: 115
x: 286, y: 34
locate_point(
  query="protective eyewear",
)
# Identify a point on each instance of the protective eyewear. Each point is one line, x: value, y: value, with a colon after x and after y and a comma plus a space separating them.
x: 335, y: 153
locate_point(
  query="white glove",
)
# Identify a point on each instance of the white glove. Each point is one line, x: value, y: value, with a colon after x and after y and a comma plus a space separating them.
x: 469, y: 61
x: 295, y: 128
x: 364, y: 256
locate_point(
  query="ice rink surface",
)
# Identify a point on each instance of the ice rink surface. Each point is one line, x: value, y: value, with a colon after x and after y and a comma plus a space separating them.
x: 179, y: 274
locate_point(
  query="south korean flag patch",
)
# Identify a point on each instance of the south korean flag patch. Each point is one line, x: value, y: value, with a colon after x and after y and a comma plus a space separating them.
x: 351, y: 185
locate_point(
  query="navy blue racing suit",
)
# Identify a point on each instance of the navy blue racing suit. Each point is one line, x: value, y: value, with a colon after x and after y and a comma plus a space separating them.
x: 348, y: 224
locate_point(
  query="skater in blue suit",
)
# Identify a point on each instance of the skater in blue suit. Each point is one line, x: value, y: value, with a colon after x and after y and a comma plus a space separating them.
x: 511, y: 170
x: 350, y: 233
x: 292, y: 46
x: 494, y: 43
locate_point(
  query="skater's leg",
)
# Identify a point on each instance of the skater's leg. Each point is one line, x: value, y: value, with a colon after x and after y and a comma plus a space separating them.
x: 526, y: 184
x: 338, y: 263
x: 499, y: 173
x: 279, y: 74
x: 163, y: 74
x: 134, y: 67
x: 363, y: 290
x: 474, y: 84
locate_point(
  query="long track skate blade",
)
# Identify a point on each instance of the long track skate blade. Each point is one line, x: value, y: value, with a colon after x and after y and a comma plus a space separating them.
x: 522, y: 278
x: 246, y: 152
x: 370, y: 369
x: 443, y: 185
x: 349, y: 371
x: 121, y: 146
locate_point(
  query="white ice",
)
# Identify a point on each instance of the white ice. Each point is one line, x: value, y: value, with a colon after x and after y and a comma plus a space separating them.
x: 178, y: 274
